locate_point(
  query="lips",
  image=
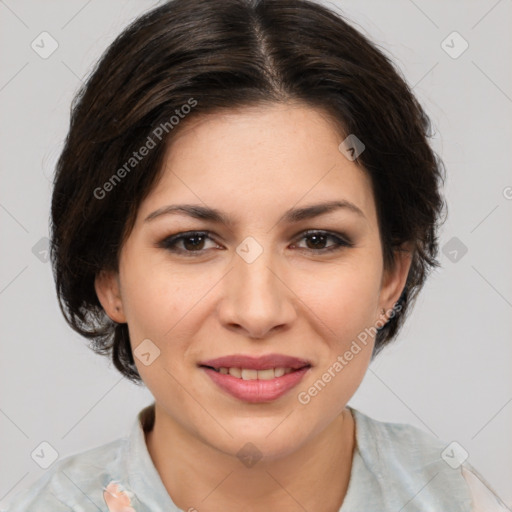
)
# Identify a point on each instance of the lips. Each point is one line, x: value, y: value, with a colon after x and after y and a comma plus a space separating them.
x: 256, y: 379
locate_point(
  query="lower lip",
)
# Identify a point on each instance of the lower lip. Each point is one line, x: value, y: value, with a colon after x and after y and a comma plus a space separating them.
x: 256, y: 391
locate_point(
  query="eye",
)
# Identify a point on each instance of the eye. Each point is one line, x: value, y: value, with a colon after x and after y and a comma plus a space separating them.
x: 316, y: 241
x: 190, y: 241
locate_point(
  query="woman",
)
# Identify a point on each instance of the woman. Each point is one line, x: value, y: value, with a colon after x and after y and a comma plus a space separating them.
x: 244, y: 211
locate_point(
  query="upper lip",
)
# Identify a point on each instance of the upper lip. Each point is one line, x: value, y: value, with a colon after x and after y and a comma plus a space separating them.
x: 257, y: 363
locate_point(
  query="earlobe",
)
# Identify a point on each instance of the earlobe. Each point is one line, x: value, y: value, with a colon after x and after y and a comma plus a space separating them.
x: 107, y: 289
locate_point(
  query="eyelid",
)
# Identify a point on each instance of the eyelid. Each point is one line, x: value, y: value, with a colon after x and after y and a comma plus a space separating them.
x: 166, y: 242
x: 343, y: 238
x: 342, y: 241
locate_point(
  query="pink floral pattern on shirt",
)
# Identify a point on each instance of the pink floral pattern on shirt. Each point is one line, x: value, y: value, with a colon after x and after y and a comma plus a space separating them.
x: 117, y: 499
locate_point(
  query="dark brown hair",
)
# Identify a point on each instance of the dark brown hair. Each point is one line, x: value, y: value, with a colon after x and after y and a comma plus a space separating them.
x: 190, y: 57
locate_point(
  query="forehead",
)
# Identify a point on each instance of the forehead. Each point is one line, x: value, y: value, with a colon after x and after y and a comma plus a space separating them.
x: 274, y: 156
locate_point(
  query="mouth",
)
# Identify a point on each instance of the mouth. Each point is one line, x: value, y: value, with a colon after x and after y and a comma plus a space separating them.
x: 250, y: 374
x: 256, y: 379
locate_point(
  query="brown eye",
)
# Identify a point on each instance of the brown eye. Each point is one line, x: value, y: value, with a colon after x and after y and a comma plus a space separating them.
x: 317, y: 240
x: 189, y: 242
x: 193, y: 242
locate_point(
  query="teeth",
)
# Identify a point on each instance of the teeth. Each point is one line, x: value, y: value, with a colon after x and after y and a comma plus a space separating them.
x: 247, y: 374
x: 235, y: 372
x: 279, y: 372
x: 266, y: 374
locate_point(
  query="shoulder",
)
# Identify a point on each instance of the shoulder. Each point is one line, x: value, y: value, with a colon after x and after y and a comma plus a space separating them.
x: 407, y: 467
x: 402, y: 441
x: 73, y: 480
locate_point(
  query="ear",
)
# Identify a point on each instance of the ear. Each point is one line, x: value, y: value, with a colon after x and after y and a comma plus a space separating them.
x: 393, y: 280
x: 108, y: 290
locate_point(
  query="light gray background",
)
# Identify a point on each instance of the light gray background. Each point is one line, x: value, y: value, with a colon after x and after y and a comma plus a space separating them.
x: 449, y: 371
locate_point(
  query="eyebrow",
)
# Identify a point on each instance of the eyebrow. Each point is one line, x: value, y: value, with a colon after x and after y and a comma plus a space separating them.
x: 290, y: 216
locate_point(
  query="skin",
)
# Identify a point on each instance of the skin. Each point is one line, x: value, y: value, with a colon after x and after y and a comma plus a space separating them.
x: 294, y: 299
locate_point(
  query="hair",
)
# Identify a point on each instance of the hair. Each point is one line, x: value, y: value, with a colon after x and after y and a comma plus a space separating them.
x: 191, y: 57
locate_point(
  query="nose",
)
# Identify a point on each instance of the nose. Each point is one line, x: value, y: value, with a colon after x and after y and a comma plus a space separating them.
x: 257, y: 298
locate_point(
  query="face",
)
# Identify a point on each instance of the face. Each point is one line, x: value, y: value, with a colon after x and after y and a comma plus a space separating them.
x: 261, y: 281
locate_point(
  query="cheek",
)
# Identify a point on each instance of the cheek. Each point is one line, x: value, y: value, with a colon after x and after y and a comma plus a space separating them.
x: 345, y: 299
x: 166, y: 307
x: 156, y: 296
x: 147, y: 309
x: 344, y: 308
x: 156, y: 305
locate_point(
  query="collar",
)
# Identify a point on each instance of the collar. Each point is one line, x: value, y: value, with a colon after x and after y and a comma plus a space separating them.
x: 144, y: 480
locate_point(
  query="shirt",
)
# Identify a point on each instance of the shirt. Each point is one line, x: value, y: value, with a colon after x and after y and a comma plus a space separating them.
x: 395, y: 467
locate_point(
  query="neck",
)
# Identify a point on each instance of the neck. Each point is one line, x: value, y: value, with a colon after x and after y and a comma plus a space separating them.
x: 314, y: 477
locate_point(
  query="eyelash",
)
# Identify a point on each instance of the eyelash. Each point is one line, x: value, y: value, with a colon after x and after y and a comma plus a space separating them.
x: 169, y: 243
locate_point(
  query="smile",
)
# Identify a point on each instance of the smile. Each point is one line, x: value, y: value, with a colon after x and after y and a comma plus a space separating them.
x: 249, y: 374
x: 256, y: 379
